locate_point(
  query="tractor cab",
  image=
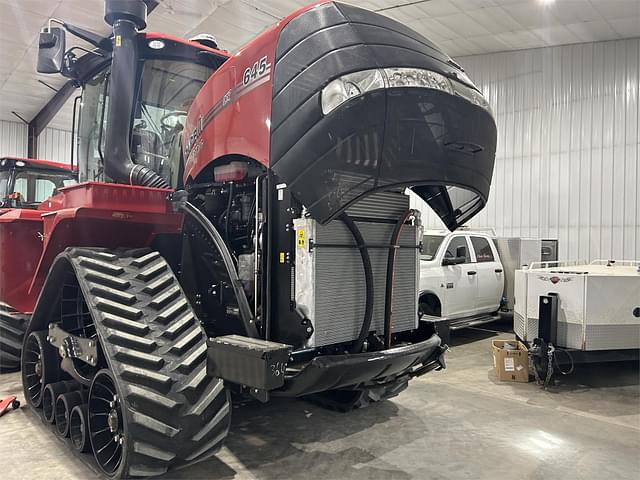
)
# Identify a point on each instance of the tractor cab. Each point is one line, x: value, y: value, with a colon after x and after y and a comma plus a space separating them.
x: 150, y: 99
x: 25, y: 183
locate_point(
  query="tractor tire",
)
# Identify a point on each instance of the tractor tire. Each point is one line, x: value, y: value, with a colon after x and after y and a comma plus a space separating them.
x: 348, y: 400
x: 12, y: 328
x: 159, y: 407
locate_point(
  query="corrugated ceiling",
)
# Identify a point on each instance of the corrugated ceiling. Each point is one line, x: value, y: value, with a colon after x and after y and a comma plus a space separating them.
x: 461, y: 27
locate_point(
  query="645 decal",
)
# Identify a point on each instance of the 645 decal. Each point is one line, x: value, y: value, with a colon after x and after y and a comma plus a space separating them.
x: 258, y: 69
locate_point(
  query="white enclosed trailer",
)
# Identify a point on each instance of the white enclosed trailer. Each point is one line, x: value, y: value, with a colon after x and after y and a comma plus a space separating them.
x: 598, y: 303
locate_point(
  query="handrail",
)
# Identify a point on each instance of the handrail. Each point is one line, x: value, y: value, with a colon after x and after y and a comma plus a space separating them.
x: 624, y: 263
x: 556, y: 263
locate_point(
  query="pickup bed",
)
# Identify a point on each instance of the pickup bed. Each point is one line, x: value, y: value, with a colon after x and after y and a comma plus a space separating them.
x: 461, y: 279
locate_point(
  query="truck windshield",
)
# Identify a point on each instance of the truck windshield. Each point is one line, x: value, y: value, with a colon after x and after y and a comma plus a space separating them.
x: 430, y: 245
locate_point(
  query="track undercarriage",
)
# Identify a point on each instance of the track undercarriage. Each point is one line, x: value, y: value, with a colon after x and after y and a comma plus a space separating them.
x: 127, y: 378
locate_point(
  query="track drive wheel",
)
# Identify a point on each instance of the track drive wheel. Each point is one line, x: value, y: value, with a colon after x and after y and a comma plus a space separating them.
x: 12, y: 328
x: 39, y: 367
x: 151, y: 405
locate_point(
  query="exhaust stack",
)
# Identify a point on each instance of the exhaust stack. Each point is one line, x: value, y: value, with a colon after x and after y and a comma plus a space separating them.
x: 126, y: 17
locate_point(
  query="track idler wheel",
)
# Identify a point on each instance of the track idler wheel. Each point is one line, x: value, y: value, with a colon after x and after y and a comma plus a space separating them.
x: 64, y: 404
x: 39, y: 367
x: 50, y: 395
x: 79, y: 429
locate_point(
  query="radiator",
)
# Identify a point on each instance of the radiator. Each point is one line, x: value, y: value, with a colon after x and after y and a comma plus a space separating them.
x: 329, y: 279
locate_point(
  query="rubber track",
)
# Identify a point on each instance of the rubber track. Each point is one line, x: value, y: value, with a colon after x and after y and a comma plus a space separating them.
x: 154, y: 344
x: 12, y: 328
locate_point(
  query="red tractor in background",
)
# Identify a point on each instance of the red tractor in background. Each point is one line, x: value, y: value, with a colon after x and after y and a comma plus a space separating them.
x: 24, y: 184
x: 241, y: 226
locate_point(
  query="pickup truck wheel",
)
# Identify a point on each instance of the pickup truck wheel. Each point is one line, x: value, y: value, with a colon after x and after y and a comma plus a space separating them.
x: 429, y: 305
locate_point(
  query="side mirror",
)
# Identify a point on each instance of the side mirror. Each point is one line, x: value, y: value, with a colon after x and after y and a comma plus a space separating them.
x: 51, y: 48
x: 461, y: 251
x: 448, y: 261
x: 453, y: 261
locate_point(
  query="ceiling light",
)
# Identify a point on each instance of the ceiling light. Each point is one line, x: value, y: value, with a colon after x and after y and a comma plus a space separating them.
x: 546, y: 2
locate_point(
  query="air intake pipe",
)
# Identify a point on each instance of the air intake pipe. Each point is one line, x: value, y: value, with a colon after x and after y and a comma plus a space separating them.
x: 126, y: 17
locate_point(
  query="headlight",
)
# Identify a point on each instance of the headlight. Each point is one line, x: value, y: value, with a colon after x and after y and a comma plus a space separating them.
x: 352, y: 85
x: 417, y: 77
x: 472, y: 95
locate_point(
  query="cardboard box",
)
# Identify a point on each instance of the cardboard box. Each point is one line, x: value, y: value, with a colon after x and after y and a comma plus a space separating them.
x: 511, y: 364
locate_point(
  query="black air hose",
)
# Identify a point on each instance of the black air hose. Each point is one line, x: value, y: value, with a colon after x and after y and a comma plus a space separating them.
x: 218, y: 241
x: 368, y: 278
x: 122, y: 87
x: 391, y: 269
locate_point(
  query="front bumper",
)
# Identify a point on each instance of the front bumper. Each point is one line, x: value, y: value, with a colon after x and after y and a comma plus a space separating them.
x: 333, y: 372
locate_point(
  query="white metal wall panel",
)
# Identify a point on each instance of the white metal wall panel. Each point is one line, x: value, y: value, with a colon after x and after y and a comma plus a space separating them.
x: 567, y: 164
x: 55, y: 145
x: 13, y: 139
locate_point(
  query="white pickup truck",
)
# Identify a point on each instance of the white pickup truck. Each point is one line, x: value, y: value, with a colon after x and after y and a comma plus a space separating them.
x: 461, y: 279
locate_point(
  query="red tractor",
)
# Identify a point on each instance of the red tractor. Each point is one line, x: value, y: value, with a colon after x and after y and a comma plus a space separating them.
x: 242, y: 226
x: 24, y: 184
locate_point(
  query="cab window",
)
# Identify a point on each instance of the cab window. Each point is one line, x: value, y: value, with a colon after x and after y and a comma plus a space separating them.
x: 35, y: 187
x: 458, y: 247
x: 482, y: 249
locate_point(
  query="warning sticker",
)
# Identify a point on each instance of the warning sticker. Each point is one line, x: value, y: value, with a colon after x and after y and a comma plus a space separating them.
x: 509, y: 364
x: 301, y: 241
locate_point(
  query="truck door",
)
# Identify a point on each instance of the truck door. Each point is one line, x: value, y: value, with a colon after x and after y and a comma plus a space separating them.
x: 460, y: 279
x: 489, y: 273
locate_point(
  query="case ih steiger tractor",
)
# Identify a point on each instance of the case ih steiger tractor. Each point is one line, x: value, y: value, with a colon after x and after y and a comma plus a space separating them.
x: 249, y: 234
x: 24, y: 184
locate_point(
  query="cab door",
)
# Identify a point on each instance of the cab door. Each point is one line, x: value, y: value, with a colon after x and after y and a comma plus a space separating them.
x: 460, y: 280
x: 490, y: 275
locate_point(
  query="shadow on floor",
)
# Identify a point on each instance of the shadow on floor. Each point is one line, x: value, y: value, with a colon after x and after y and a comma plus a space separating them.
x: 287, y: 437
x: 599, y: 375
x: 481, y: 332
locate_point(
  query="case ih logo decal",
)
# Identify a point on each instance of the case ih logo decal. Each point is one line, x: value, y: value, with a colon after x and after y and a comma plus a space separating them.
x: 254, y: 76
x: 554, y: 279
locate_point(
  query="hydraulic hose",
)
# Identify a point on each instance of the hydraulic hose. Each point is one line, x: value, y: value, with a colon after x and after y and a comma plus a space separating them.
x: 391, y: 275
x: 368, y: 278
x: 218, y: 241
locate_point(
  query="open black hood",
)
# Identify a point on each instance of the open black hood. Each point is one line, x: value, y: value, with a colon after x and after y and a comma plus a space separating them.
x: 440, y: 144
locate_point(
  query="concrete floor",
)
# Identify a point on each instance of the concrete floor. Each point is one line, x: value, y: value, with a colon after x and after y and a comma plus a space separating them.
x: 456, y: 424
